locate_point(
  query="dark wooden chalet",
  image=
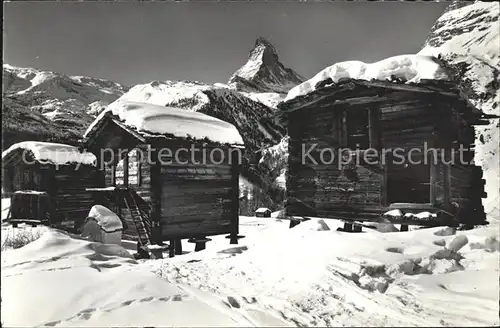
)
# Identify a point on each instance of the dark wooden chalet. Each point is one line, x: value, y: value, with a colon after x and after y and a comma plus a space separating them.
x: 47, y: 182
x: 162, y: 196
x: 370, y: 118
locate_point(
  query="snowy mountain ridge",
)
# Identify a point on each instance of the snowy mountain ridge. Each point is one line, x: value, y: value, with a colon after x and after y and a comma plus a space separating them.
x: 253, y: 119
x: 50, y: 106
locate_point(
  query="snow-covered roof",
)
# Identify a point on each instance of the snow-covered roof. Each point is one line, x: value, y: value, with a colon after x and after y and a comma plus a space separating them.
x: 155, y: 119
x: 410, y: 68
x: 53, y: 153
x: 262, y: 210
x: 105, y: 218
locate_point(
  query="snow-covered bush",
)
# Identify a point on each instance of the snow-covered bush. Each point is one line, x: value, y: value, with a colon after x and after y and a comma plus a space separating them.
x: 20, y: 238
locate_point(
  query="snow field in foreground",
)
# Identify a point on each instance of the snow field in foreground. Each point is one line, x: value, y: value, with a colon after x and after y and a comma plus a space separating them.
x: 276, y: 276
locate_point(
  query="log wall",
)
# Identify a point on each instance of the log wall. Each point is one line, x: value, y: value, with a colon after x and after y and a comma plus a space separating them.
x: 398, y: 119
x: 198, y: 199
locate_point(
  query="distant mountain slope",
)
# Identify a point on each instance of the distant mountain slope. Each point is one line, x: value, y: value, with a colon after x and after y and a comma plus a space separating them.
x: 42, y: 105
x: 254, y: 121
x: 466, y: 38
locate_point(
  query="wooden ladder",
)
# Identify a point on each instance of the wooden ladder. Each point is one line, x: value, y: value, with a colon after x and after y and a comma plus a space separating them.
x: 137, y: 218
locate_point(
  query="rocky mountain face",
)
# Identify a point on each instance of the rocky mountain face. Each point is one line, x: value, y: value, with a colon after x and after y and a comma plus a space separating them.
x: 263, y: 72
x: 49, y: 106
x: 466, y: 39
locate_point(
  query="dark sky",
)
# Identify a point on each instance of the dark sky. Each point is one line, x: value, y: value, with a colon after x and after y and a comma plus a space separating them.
x: 136, y: 42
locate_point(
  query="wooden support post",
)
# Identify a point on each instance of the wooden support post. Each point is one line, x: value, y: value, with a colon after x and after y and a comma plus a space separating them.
x: 178, y: 247
x: 200, y: 243
x: 294, y: 222
x: 199, y: 246
x: 235, y: 168
x: 171, y: 248
x: 404, y: 227
x: 143, y: 254
x: 157, y: 254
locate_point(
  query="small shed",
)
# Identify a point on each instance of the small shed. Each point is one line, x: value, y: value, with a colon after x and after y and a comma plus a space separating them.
x: 59, y: 171
x: 369, y: 138
x: 263, y: 212
x: 175, y: 171
x: 102, y: 225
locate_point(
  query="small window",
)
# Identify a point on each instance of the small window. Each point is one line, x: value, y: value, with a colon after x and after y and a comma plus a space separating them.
x: 119, y: 173
x: 134, y: 168
x: 357, y: 126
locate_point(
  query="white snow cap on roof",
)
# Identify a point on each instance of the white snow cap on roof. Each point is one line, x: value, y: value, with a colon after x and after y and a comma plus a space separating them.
x: 262, y: 210
x: 105, y: 218
x: 53, y: 153
x: 411, y: 68
x: 169, y: 120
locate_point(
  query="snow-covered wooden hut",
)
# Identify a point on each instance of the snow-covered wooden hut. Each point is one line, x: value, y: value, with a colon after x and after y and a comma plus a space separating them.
x: 383, y: 115
x: 34, y: 169
x: 175, y: 172
x: 263, y: 212
x: 102, y: 225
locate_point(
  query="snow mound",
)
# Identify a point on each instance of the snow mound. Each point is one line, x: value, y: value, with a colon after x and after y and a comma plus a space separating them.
x: 410, y: 68
x: 105, y: 218
x: 53, y: 153
x: 146, y: 117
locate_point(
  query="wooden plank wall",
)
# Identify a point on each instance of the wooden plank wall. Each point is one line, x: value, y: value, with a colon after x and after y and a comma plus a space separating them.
x: 197, y: 199
x: 407, y: 120
x: 71, y: 201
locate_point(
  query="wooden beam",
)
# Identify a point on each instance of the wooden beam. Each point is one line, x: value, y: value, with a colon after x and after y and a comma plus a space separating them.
x: 235, y: 171
x: 125, y: 170
x: 433, y: 182
x: 383, y: 183
x: 343, y: 129
x: 113, y: 174
x: 373, y: 128
x: 156, y: 190
x: 446, y: 184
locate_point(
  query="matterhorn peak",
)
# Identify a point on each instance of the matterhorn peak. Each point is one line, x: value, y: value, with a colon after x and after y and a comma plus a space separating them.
x: 263, y: 72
